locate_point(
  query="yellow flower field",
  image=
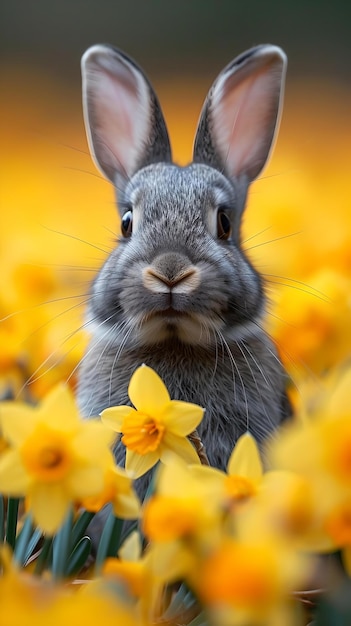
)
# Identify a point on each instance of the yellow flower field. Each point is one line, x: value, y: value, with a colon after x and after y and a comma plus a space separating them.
x: 264, y: 544
x: 58, y: 223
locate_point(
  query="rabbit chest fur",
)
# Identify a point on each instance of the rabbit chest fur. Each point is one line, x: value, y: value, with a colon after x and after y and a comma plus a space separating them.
x: 178, y: 292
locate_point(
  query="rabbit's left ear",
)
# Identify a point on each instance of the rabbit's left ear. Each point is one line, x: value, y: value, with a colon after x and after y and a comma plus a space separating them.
x: 240, y: 116
x: 124, y: 121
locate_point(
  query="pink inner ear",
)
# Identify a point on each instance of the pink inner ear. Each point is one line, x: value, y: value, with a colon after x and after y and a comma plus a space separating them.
x: 244, y: 113
x: 114, y: 115
x: 118, y: 115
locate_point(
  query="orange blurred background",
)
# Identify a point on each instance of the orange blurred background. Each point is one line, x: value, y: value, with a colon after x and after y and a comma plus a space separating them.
x: 58, y: 217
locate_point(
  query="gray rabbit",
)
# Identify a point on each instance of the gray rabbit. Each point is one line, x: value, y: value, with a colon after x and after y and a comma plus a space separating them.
x: 178, y: 292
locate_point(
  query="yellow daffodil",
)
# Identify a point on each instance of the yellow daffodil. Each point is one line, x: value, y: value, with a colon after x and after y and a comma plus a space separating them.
x: 288, y: 510
x: 167, y: 518
x: 155, y: 426
x: 320, y: 445
x: 233, y: 490
x: 133, y: 574
x: 183, y: 518
x: 318, y: 448
x: 26, y: 599
x: 189, y: 510
x: 247, y: 582
x: 118, y: 490
x: 21, y: 595
x: 92, y: 604
x: 54, y: 457
x: 38, y: 345
x: 244, y: 468
x: 313, y: 322
x: 244, y: 472
x: 338, y: 527
x: 133, y: 569
x: 186, y: 502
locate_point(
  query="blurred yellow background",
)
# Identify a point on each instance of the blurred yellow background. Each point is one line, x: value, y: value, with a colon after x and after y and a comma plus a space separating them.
x: 58, y: 217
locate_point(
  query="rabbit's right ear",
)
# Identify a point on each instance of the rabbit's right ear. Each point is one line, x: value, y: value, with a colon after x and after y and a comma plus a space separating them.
x: 240, y: 116
x: 123, y: 119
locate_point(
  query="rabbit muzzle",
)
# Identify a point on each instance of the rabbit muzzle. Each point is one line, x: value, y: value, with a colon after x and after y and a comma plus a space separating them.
x: 171, y: 279
x: 171, y: 273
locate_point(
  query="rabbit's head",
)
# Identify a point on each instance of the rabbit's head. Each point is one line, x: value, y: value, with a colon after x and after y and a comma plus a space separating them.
x: 179, y: 271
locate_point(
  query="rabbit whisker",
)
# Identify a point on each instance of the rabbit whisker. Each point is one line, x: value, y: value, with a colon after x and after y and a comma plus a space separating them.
x: 70, y: 236
x: 298, y: 284
x: 232, y: 359
x: 117, y: 356
x: 243, y: 347
x: 269, y: 241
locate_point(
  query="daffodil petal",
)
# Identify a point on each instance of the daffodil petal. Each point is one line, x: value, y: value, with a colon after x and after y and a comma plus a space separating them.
x: 317, y: 541
x: 114, y: 416
x: 180, y: 446
x: 14, y: 480
x: 174, y: 476
x: 171, y: 560
x: 210, y: 479
x: 59, y: 409
x: 17, y: 421
x: 123, y: 482
x: 147, y: 391
x: 49, y: 504
x: 85, y: 481
x: 126, y: 506
x: 139, y: 464
x: 131, y: 549
x: 245, y: 459
x: 181, y: 418
x: 339, y: 401
x: 92, y: 443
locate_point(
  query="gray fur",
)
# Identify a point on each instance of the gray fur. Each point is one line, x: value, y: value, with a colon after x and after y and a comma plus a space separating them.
x: 204, y: 337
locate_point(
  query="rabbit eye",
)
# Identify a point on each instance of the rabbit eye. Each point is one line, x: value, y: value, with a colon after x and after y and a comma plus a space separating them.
x: 127, y: 223
x: 224, y: 227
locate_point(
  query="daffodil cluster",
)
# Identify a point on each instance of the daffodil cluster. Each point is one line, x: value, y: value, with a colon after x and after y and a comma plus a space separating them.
x: 318, y: 449
x: 55, y: 460
x: 233, y: 548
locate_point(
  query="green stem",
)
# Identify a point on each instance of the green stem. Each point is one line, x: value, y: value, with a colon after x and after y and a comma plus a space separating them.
x: 2, y: 519
x: 11, y: 523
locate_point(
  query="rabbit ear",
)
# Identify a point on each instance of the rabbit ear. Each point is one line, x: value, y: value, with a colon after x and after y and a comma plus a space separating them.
x: 241, y: 113
x: 123, y: 119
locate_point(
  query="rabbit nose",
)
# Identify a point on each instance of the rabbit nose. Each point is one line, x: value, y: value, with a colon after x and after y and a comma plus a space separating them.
x: 184, y: 281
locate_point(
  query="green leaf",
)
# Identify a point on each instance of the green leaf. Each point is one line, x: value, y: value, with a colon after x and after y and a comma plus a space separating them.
x: 152, y: 484
x: 22, y: 540
x: 184, y: 608
x: 44, y: 557
x: 11, y: 523
x: 2, y: 519
x: 335, y: 606
x: 80, y: 527
x: 110, y: 541
x: 177, y: 602
x: 131, y: 527
x: 32, y: 544
x: 61, y: 548
x: 79, y: 556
